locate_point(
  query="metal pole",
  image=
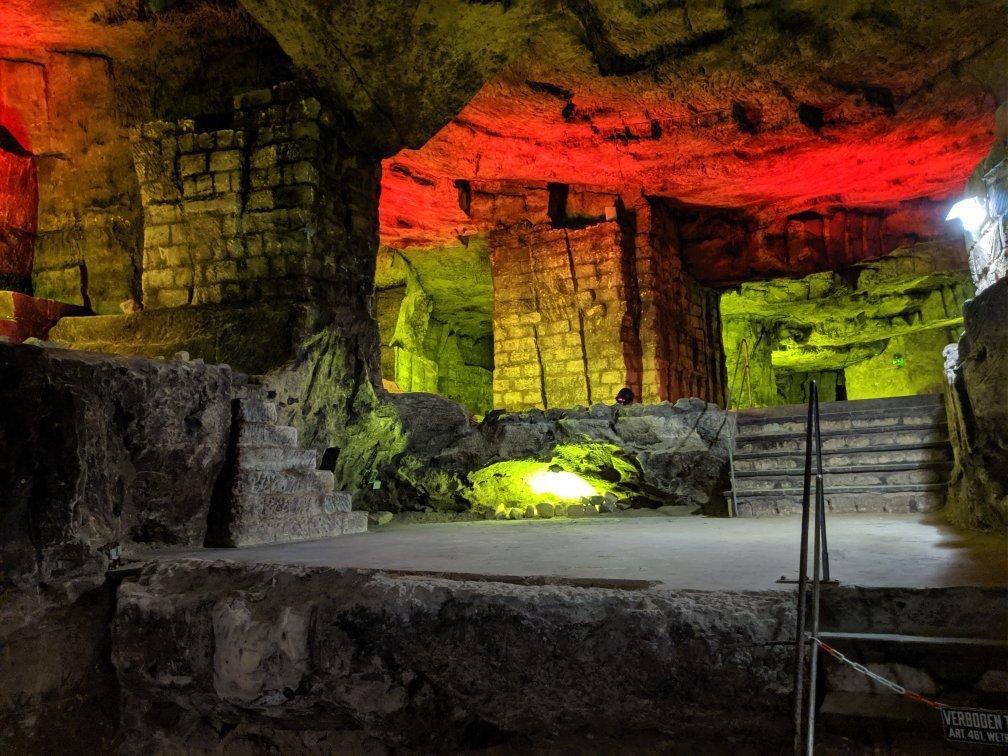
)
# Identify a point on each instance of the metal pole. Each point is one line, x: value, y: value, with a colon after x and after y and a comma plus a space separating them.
x: 799, y: 674
x: 816, y: 558
x: 820, y: 510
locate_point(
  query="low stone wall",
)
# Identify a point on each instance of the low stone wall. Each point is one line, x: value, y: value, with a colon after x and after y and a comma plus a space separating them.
x: 215, y: 657
x: 295, y: 657
x: 98, y: 450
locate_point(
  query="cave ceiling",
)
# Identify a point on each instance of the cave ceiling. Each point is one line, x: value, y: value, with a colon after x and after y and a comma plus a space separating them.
x: 771, y: 107
x: 774, y: 108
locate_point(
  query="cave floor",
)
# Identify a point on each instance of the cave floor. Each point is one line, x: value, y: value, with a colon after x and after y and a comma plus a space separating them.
x: 872, y: 550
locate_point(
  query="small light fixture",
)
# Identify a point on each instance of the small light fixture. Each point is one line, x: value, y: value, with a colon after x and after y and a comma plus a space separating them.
x: 564, y: 485
x: 970, y: 212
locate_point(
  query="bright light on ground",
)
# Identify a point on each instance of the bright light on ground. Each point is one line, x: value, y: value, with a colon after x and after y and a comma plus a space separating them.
x: 565, y: 485
x: 970, y: 212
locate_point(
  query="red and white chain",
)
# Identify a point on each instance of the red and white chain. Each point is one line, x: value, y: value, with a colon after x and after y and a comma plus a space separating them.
x: 895, y: 687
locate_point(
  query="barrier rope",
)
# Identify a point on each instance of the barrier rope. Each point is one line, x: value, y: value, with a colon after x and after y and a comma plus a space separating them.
x: 895, y: 687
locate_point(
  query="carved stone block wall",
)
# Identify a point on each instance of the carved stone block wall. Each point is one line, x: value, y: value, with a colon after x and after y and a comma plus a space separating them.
x: 591, y: 300
x: 559, y: 303
x: 268, y: 207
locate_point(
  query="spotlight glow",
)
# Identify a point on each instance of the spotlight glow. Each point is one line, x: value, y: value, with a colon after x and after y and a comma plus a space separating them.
x: 564, y: 485
x: 970, y: 212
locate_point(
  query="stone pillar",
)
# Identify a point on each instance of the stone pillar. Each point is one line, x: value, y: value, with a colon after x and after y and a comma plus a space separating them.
x: 559, y: 305
x: 590, y: 301
x: 267, y: 208
x: 680, y: 322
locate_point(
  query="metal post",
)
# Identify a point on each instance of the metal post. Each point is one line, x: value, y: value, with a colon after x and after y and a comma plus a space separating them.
x: 799, y: 673
x: 820, y: 510
x: 816, y: 560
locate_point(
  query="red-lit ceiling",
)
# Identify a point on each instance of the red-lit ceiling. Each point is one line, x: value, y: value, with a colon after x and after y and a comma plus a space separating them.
x: 860, y: 157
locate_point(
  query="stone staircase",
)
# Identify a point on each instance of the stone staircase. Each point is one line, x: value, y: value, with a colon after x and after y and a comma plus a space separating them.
x: 273, y: 491
x: 879, y: 455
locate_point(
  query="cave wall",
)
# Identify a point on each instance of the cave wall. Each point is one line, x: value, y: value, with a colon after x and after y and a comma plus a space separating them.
x: 877, y: 328
x: 908, y: 365
x: 433, y: 312
x: 977, y: 366
x: 96, y: 453
x: 420, y: 352
x: 72, y: 83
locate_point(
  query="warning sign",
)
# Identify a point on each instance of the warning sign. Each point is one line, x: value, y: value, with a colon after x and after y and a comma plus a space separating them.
x: 975, y: 726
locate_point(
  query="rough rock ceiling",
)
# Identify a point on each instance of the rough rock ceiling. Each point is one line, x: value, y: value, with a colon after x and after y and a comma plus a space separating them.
x: 776, y: 108
x: 404, y: 68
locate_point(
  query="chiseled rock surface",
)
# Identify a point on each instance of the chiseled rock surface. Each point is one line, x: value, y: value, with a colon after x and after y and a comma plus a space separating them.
x: 210, y: 655
x: 977, y: 402
x: 94, y: 450
x: 97, y: 450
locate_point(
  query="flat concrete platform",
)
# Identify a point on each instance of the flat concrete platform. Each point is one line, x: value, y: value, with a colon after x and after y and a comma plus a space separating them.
x: 701, y: 553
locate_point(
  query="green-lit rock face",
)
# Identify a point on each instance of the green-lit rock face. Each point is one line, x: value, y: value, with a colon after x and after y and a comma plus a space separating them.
x: 876, y: 331
x: 433, y: 308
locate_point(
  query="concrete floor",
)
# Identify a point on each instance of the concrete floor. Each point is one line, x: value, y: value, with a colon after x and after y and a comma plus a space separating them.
x: 674, y: 552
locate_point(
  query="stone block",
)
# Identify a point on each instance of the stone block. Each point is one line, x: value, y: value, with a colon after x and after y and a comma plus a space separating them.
x: 157, y: 236
x: 260, y: 200
x: 168, y: 297
x: 191, y: 165
x: 255, y: 99
x: 265, y: 157
x: 225, y: 160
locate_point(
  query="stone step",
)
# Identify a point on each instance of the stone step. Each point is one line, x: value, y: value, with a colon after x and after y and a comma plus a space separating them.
x: 282, y: 481
x: 916, y: 498
x: 301, y: 527
x: 255, y: 410
x: 893, y: 406
x: 848, y: 423
x: 764, y: 461
x: 862, y: 439
x: 248, y: 389
x: 266, y: 434
x: 843, y: 477
x: 277, y: 458
x: 266, y: 506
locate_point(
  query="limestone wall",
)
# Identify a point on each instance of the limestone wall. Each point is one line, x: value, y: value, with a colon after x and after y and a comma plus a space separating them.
x: 977, y: 367
x: 423, y: 353
x: 61, y: 107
